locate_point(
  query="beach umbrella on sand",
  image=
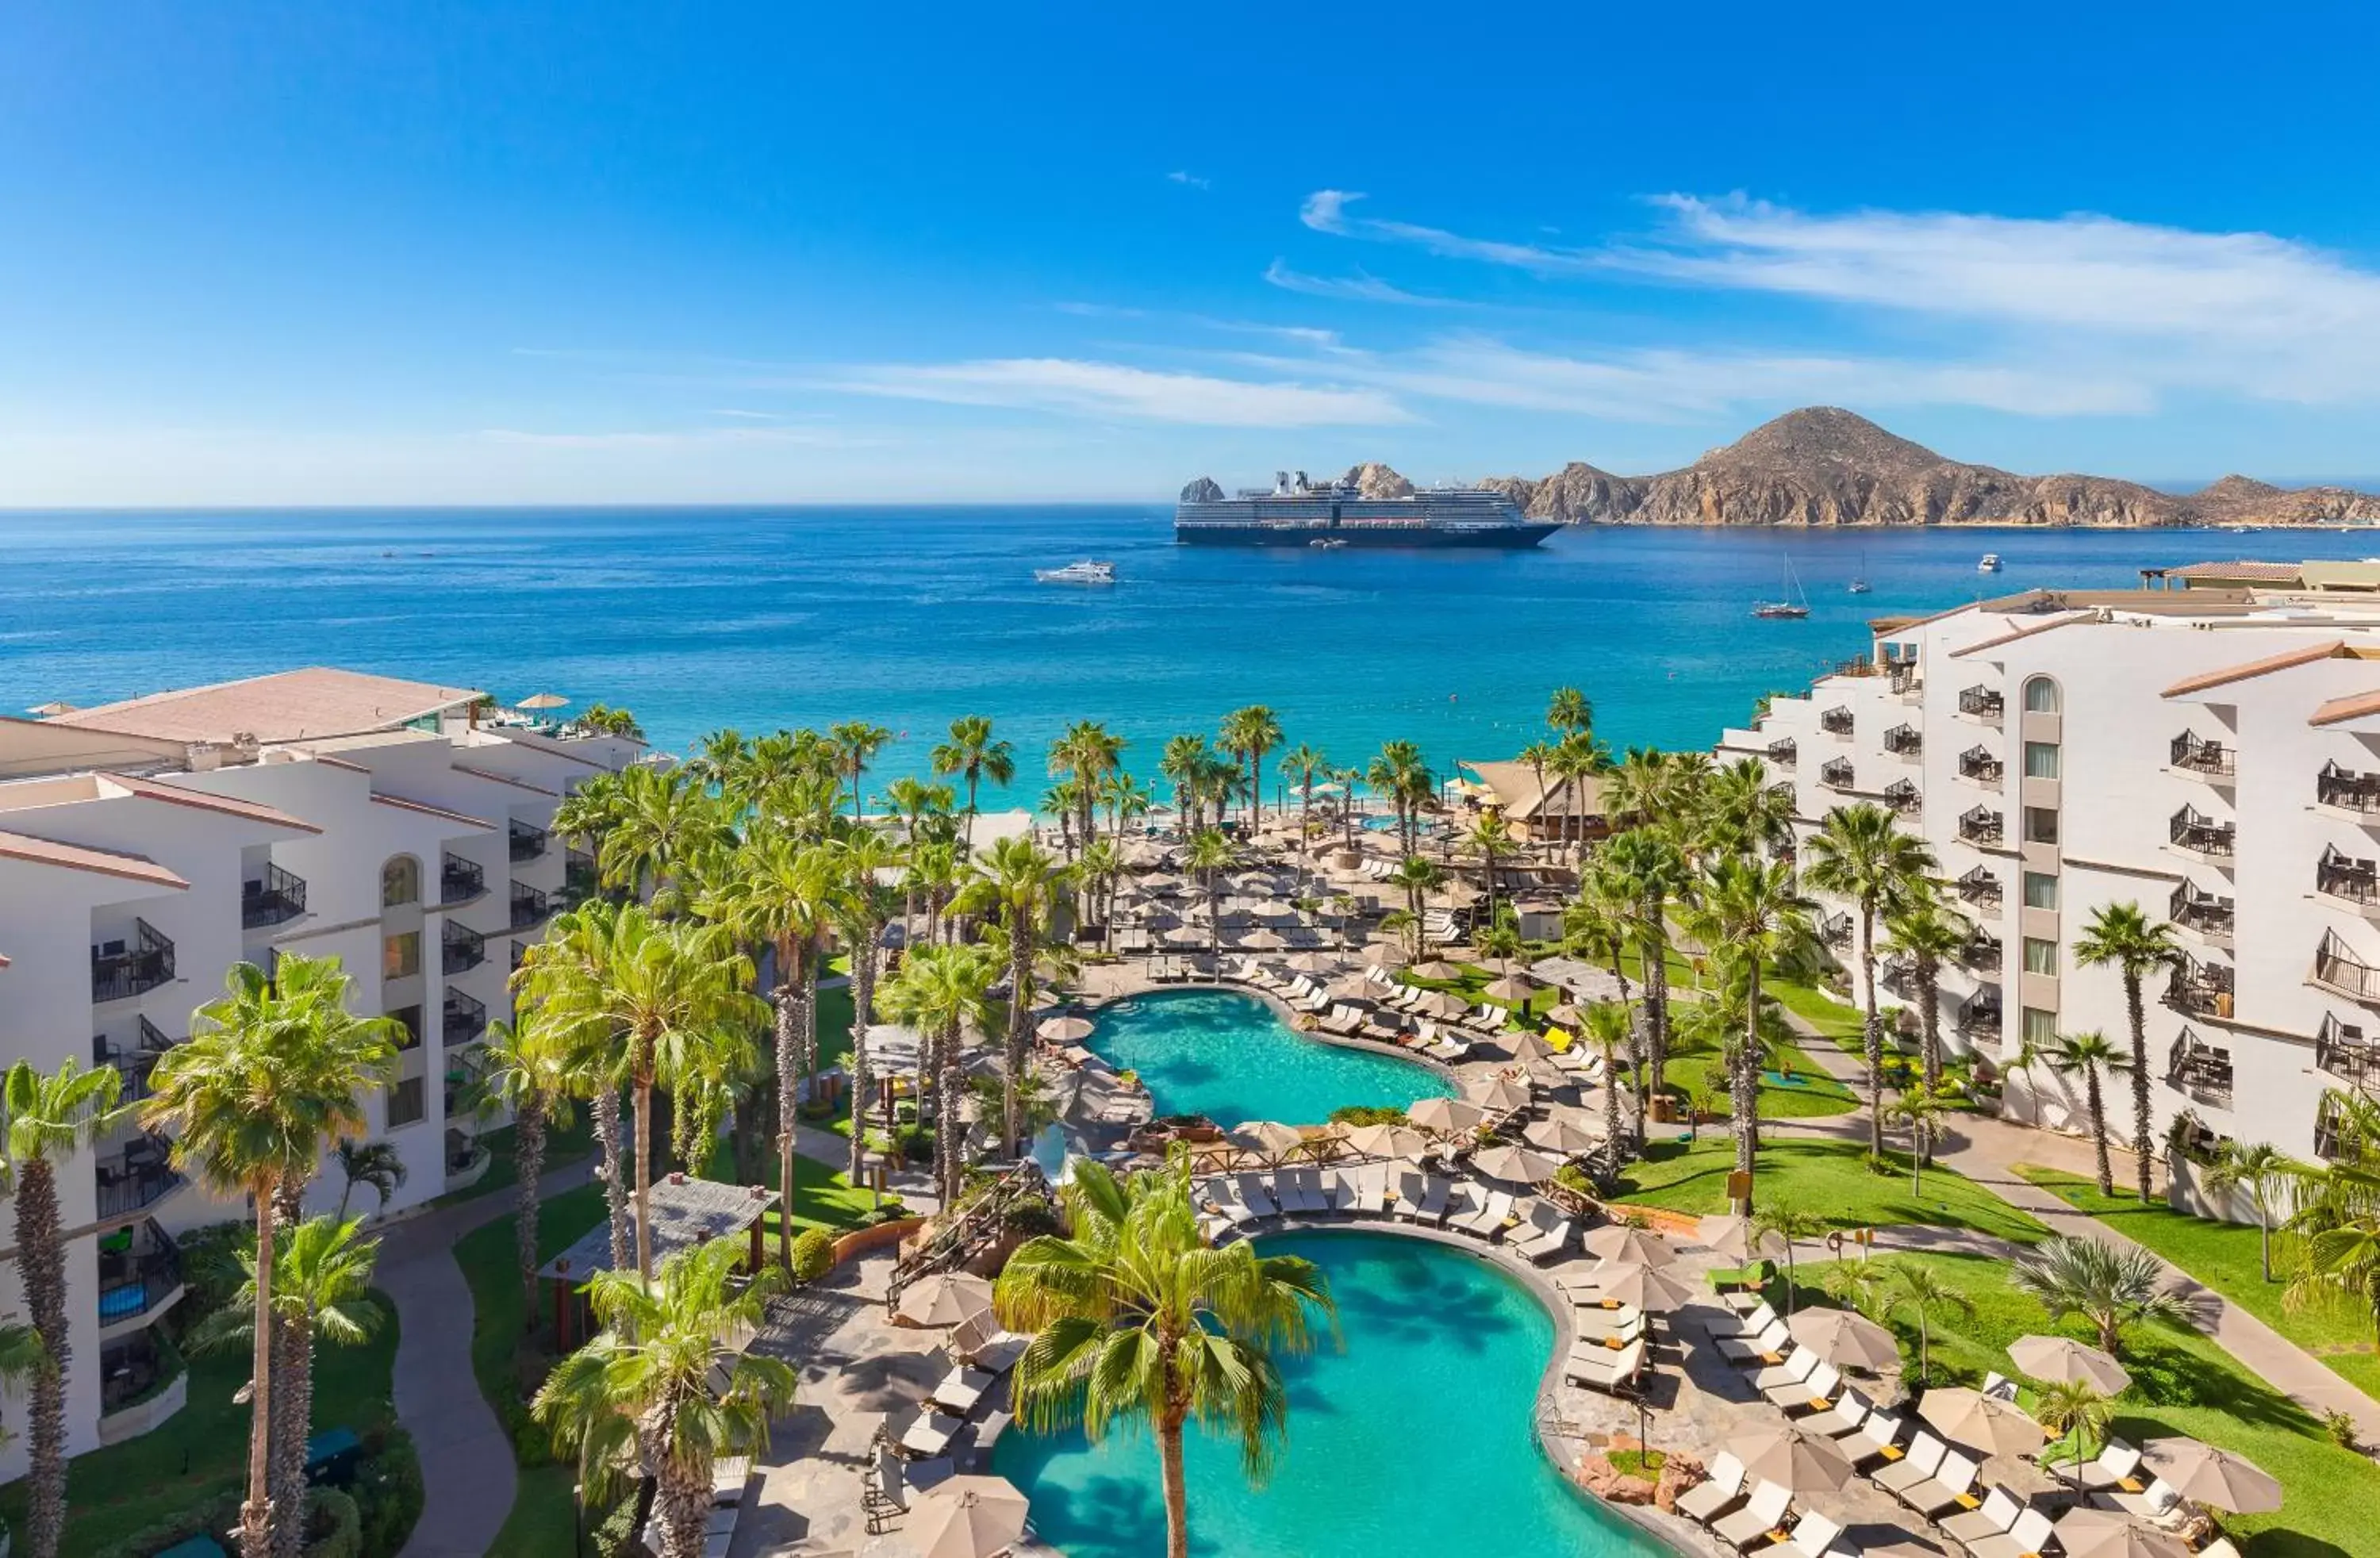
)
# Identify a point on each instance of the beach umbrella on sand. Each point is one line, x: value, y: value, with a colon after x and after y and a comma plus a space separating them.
x: 1735, y: 1237
x: 2065, y: 1361
x: 1780, y: 1452
x: 1563, y: 1136
x: 2207, y: 1474
x: 1641, y: 1247
x: 1499, y: 1095
x: 966, y: 1517
x: 1387, y: 1142
x: 1065, y: 1030
x: 1447, y: 1115
x: 1510, y: 990
x: 543, y: 700
x: 944, y: 1299
x: 1985, y: 1423
x: 1515, y: 1165
x: 1438, y: 968
x: 2085, y: 1532
x: 1846, y: 1339
x: 50, y: 711
x: 1646, y: 1287
x: 1267, y: 1138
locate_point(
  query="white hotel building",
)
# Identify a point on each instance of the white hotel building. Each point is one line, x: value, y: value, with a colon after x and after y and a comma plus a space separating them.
x: 148, y: 846
x: 2209, y: 749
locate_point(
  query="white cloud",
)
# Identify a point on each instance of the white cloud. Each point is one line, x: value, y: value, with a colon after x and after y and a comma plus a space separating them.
x: 1324, y: 211
x: 744, y: 415
x: 1111, y: 389
x: 1358, y: 288
x: 678, y: 438
x: 1195, y: 181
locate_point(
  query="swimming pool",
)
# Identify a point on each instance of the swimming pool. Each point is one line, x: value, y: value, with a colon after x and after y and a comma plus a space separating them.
x: 1231, y: 1058
x: 1415, y: 1442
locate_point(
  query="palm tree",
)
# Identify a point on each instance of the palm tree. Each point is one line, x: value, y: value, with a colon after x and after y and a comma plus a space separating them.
x: 2086, y: 1056
x: 1929, y: 935
x: 1020, y: 884
x: 974, y: 754
x: 49, y: 1117
x: 1251, y: 733
x: 1096, y: 872
x: 1747, y: 811
x: 2261, y: 1172
x: 677, y: 994
x: 1569, y: 712
x: 1135, y: 1319
x: 1087, y: 753
x: 273, y: 1070
x: 862, y: 909
x: 23, y: 1361
x: 1748, y: 913
x: 666, y: 822
x: 1920, y: 1108
x: 1302, y: 766
x: 1611, y: 1028
x: 1210, y: 855
x: 1789, y: 1225
x: 2071, y: 1410
x: 1917, y: 1287
x: 527, y: 1076
x: 1636, y: 875
x: 941, y: 992
x: 1489, y: 838
x: 2337, y: 1217
x: 1400, y: 773
x: 321, y: 1290
x: 2121, y: 936
x: 1860, y: 853
x: 1416, y: 874
x: 2112, y: 1289
x: 1577, y: 758
x: 376, y: 1163
x: 642, y: 1392
x: 856, y: 742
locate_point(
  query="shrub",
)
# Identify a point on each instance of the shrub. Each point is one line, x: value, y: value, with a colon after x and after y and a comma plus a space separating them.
x: 916, y: 1143
x: 813, y: 1255
x: 1572, y: 1179
x: 216, y: 1517
x: 1368, y: 1114
x: 2341, y: 1427
x: 1030, y: 1220
x: 334, y: 1525
x: 389, y: 1496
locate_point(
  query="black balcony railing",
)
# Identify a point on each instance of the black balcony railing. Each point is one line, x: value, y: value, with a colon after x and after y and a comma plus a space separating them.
x: 1981, y: 824
x: 1836, y: 773
x: 529, y: 907
x: 2199, y: 756
x: 2202, y: 834
x: 1979, y: 886
x: 462, y: 1020
x: 1834, y: 930
x: 1905, y: 741
x: 122, y: 969
x: 2201, y: 912
x: 1984, y: 702
x: 579, y: 877
x: 461, y: 949
x: 1979, y: 1015
x: 1899, y: 976
x: 2199, y: 990
x: 2347, y: 789
x: 273, y: 899
x: 1901, y: 795
x: 520, y: 955
x: 135, y: 1368
x: 1836, y: 722
x: 2343, y: 971
x: 1782, y: 790
x: 1982, y: 951
x: 134, y: 1176
x: 528, y: 843
x: 1981, y: 765
x: 1903, y: 674
x: 459, y: 880
x: 2340, y: 875
x: 1782, y: 753
x: 2199, y: 1068
x: 138, y: 1277
x: 2346, y: 1052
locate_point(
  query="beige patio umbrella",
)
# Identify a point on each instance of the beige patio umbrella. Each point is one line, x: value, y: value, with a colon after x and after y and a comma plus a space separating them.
x: 968, y: 1517
x: 1647, y: 1287
x: 1438, y: 968
x: 944, y: 1299
x: 1562, y: 1134
x: 1267, y: 1138
x: 1642, y: 1246
x: 1984, y: 1423
x: 1387, y: 1142
x: 1780, y: 1452
x: 1499, y: 1095
x: 1187, y: 936
x: 2205, y: 1474
x: 1567, y: 1016
x: 1447, y: 1115
x: 1515, y: 1165
x: 1531, y: 1047
x: 543, y: 700
x: 1065, y: 1030
x: 1510, y: 990
x: 2085, y: 1532
x: 1845, y: 1339
x: 1263, y: 941
x: 51, y: 710
x: 1443, y: 1004
x: 2065, y: 1361
x: 1353, y: 987
x: 1736, y: 1238
x: 1384, y: 955
x: 1314, y: 963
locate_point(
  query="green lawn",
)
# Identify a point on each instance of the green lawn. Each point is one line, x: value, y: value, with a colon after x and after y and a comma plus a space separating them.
x: 1830, y: 1017
x: 2183, y: 1385
x: 822, y: 1196
x: 202, y: 1451
x: 2223, y: 1256
x: 562, y: 1148
x: 1829, y: 1177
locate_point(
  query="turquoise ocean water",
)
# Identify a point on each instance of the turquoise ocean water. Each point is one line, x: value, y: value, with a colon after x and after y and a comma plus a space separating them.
x: 697, y: 618
x: 1228, y: 1057
x: 1416, y: 1441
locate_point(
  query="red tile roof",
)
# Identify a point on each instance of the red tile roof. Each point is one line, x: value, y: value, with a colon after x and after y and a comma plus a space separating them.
x: 2265, y: 667
x: 75, y: 856
x: 176, y: 795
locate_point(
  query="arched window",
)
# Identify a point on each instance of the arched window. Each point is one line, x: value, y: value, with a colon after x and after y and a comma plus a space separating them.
x: 400, y: 881
x: 2041, y: 696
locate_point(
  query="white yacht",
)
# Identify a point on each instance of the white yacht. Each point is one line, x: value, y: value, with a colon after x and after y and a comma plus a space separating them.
x: 1990, y: 564
x: 1086, y: 571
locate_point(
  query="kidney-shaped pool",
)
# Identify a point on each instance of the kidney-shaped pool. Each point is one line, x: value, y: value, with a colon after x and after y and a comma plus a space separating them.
x: 1231, y: 1058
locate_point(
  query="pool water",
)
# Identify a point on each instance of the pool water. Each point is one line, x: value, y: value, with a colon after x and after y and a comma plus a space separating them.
x: 1231, y: 1058
x: 1416, y: 1441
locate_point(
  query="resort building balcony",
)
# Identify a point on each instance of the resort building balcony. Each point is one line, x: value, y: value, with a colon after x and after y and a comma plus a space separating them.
x: 2201, y: 1069
x: 1836, y: 721
x: 580, y: 879
x: 2202, y: 914
x: 1782, y: 790
x: 2342, y: 973
x: 1982, y: 826
x: 120, y: 970
x: 461, y: 949
x: 1982, y: 703
x: 526, y: 842
x: 460, y: 881
x: 1903, y: 673
x: 1899, y: 976
x: 275, y: 898
x: 1981, y: 765
x: 520, y: 955
x: 134, y: 1177
x: 462, y: 1020
x: 2197, y: 833
x: 2203, y: 758
x: 1834, y: 930
x: 2328, y: 1122
x: 1979, y: 1015
x: 1902, y: 795
x: 1905, y: 741
x: 2343, y: 789
x: 1836, y: 773
x: 2353, y: 882
x: 1983, y: 950
x: 1782, y: 753
x: 530, y: 907
x: 139, y: 1272
x: 142, y: 1381
x: 1980, y: 886
x: 2199, y: 990
x: 2345, y: 1050
x: 133, y: 1062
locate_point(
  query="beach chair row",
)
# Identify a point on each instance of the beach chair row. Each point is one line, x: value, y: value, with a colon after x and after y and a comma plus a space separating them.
x: 1233, y: 1204
x: 958, y: 1422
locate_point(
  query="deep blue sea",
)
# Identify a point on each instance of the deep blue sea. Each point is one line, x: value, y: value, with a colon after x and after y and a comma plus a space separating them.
x: 757, y: 618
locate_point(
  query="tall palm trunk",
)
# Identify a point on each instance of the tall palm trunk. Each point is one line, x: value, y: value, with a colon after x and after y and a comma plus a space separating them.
x: 528, y: 1155
x: 863, y: 1014
x: 2098, y: 1127
x: 1012, y: 1069
x: 969, y: 833
x: 605, y: 1107
x: 789, y: 1081
x: 293, y: 1403
x: 41, y: 1260
x: 643, y: 1082
x: 946, y: 1131
x: 256, y: 1512
x: 1747, y: 1093
x: 1873, y: 1031
x: 1929, y: 1016
x: 1177, y: 1485
x: 1653, y: 950
x: 2141, y: 1144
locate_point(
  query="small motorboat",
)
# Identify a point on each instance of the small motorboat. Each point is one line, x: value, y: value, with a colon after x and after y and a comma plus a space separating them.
x: 1088, y: 571
x: 1990, y: 564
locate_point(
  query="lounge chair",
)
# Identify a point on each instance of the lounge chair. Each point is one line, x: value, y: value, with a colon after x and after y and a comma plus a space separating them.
x: 1720, y: 1491
x: 1546, y: 1233
x: 1850, y: 1410
x: 1992, y: 1518
x: 2029, y: 1538
x: 2000, y: 1386
x: 1596, y: 1323
x: 1301, y: 1191
x: 1799, y: 1365
x: 1347, y: 1190
x: 1924, y: 1458
x: 927, y: 1436
x: 1743, y: 1301
x: 1750, y: 1525
x: 1614, y: 1371
x: 1746, y: 1324
x: 2220, y: 1547
x: 1589, y: 1350
x: 2158, y: 1503
x: 2111, y: 1472
x: 962, y: 1389
x: 1950, y: 1488
x: 1218, y: 1198
x: 1820, y: 1536
x: 1372, y: 1189
x: 1874, y: 1439
x: 1816, y: 1393
x: 1490, y: 1219
x: 1767, y: 1348
x: 1257, y: 1196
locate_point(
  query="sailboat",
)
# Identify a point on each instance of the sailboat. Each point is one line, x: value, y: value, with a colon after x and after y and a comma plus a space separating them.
x: 1859, y: 585
x: 1793, y: 609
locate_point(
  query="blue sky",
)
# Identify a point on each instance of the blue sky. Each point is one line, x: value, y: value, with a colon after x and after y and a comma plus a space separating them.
x: 580, y: 251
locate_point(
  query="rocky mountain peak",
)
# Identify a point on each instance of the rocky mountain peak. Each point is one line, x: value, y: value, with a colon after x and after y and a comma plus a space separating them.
x: 1374, y: 479
x: 1203, y: 490
x: 2235, y: 487
x: 1818, y: 437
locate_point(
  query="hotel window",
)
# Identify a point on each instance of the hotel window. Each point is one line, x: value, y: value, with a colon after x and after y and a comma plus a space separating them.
x: 2040, y: 1028
x: 2040, y: 956
x: 2041, y: 696
x: 2041, y: 760
x: 405, y: 1103
x: 2041, y: 824
x: 409, y: 1019
x: 400, y: 881
x: 400, y: 957
x: 2040, y: 890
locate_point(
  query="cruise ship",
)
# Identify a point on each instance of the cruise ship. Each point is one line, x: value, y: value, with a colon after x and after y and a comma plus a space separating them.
x: 1328, y: 515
